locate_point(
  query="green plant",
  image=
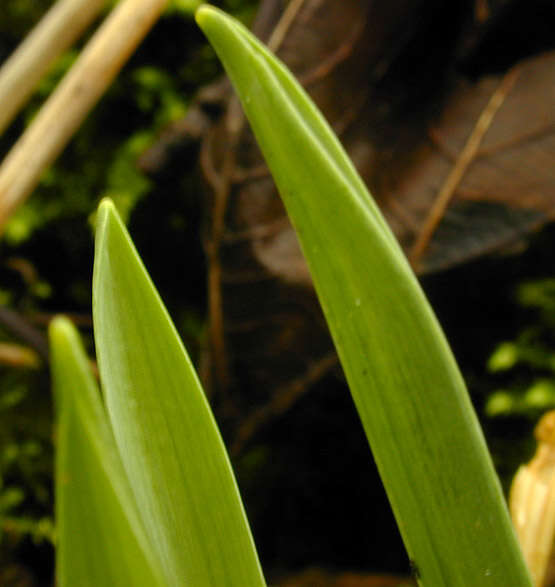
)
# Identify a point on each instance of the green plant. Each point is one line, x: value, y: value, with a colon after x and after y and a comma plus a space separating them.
x: 96, y: 162
x: 165, y: 473
x: 525, y: 366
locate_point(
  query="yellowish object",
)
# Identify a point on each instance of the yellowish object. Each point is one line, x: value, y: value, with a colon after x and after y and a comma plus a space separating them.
x: 14, y: 355
x: 532, y: 505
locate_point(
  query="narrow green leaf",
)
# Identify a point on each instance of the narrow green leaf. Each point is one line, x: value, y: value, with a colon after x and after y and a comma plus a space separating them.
x: 407, y: 388
x: 100, y: 538
x: 169, y: 443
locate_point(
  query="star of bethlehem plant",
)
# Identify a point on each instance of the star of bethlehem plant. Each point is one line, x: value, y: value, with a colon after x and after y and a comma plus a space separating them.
x: 145, y: 494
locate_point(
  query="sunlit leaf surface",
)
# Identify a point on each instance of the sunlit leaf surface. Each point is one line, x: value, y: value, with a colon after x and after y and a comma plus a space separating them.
x: 407, y: 388
x: 100, y: 539
x: 169, y: 443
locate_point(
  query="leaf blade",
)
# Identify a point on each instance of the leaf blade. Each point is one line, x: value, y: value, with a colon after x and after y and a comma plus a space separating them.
x: 100, y: 537
x: 404, y: 381
x: 169, y: 442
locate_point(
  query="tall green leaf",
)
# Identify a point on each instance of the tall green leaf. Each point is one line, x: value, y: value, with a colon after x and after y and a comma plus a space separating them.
x: 169, y: 443
x: 407, y: 388
x: 100, y: 538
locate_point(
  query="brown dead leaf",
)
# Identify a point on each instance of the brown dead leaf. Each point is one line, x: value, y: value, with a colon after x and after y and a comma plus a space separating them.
x: 507, y: 189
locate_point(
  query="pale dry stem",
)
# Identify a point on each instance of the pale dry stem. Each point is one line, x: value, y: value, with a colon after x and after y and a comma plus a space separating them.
x: 65, y: 110
x: 62, y: 25
x: 466, y: 157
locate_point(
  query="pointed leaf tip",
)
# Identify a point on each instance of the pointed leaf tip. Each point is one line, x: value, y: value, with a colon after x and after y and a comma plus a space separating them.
x: 215, y: 24
x: 106, y: 208
x: 60, y: 330
x: 106, y: 204
x: 203, y: 13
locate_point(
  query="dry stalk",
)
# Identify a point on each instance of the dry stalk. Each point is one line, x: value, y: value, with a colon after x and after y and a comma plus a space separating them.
x: 62, y: 25
x: 55, y: 124
x: 466, y: 157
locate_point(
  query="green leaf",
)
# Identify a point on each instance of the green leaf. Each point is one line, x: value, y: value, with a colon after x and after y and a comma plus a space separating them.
x: 100, y: 538
x: 169, y: 443
x: 405, y: 383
